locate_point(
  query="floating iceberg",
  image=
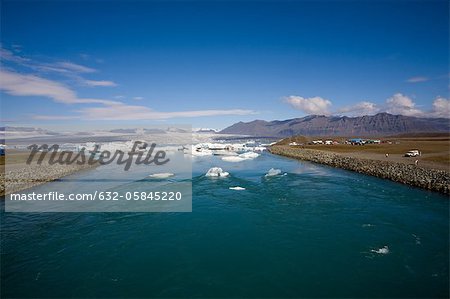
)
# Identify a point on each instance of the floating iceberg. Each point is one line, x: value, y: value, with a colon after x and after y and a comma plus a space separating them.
x: 202, y: 153
x: 259, y: 149
x: 237, y: 188
x: 224, y: 153
x: 273, y: 172
x: 383, y: 250
x: 199, y: 151
x: 216, y: 172
x: 241, y: 157
x: 233, y: 159
x: 163, y: 175
x: 249, y: 155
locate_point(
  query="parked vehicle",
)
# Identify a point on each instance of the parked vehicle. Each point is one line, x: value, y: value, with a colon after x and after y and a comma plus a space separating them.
x: 412, y: 153
x: 356, y: 141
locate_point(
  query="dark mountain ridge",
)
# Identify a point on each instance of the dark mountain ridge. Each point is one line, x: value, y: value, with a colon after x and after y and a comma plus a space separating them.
x: 321, y: 125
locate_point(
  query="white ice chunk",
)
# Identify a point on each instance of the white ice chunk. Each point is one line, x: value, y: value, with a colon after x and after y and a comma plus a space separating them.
x: 273, y: 172
x: 198, y: 151
x: 259, y: 148
x: 241, y: 157
x: 383, y: 250
x: 216, y: 172
x: 224, y: 153
x: 249, y: 155
x: 163, y: 175
x: 233, y: 159
x: 237, y: 188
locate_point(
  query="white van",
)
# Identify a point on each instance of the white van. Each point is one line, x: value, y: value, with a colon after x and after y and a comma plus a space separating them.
x: 412, y: 153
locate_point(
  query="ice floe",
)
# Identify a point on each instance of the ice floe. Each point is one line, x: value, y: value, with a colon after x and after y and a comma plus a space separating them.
x: 224, y: 153
x: 199, y: 152
x: 249, y: 155
x: 417, y: 239
x: 237, y: 188
x: 241, y: 157
x: 382, y: 250
x: 216, y: 172
x: 233, y: 159
x: 273, y: 172
x: 250, y: 149
x: 163, y: 175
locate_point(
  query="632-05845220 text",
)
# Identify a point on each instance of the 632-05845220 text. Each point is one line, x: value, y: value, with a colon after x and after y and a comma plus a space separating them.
x: 103, y: 196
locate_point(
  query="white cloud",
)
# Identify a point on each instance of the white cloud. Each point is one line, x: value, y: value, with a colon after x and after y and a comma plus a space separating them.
x: 401, y: 104
x: 396, y: 104
x: 69, y: 66
x: 54, y: 117
x: 120, y: 111
x: 138, y: 98
x: 30, y: 85
x: 10, y: 56
x: 64, y: 67
x: 417, y: 79
x: 68, y: 69
x: 95, y: 83
x: 314, y: 105
x: 19, y: 84
x: 361, y: 108
x: 441, y: 107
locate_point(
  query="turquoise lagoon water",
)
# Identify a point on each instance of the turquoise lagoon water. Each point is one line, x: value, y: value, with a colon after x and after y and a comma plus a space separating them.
x: 313, y: 232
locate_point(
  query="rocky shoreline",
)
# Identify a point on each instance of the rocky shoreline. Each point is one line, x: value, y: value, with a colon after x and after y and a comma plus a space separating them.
x: 33, y: 175
x: 430, y: 179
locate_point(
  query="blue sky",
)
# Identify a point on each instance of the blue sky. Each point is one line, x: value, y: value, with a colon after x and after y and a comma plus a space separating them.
x: 214, y: 63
